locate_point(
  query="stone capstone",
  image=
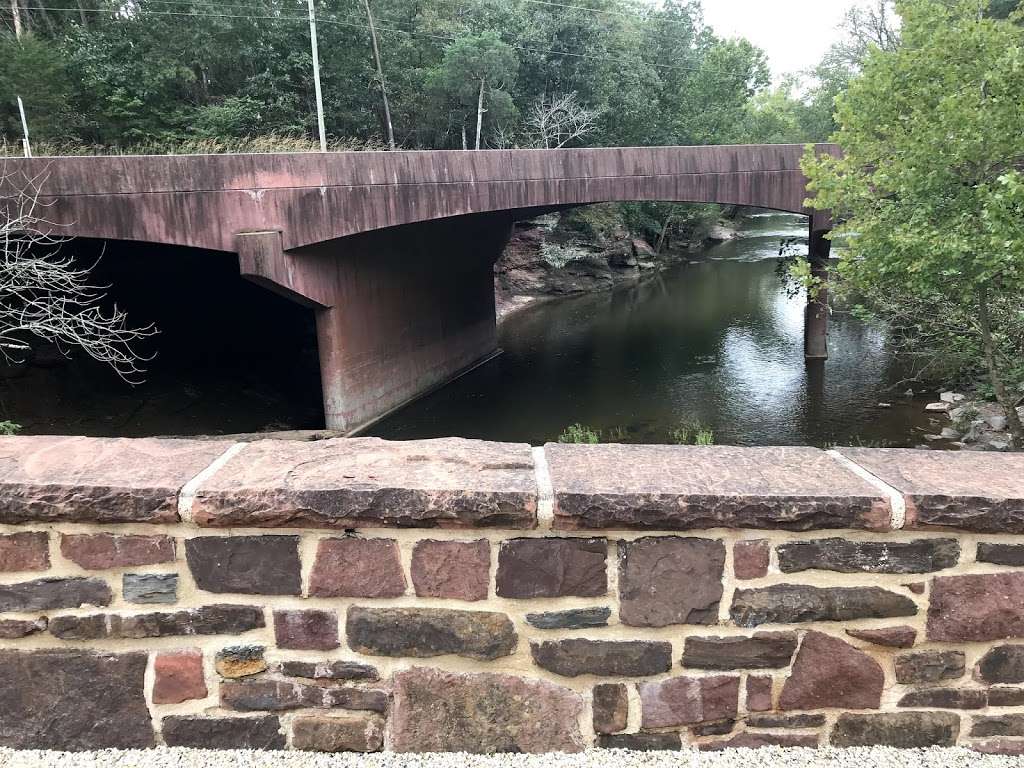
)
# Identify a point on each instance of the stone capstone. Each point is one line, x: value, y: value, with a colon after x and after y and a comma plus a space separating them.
x: 368, y: 482
x: 437, y: 711
x: 687, y: 700
x: 795, y: 603
x: 1000, y: 554
x: 150, y: 588
x: 574, y: 618
x: 651, y: 570
x: 306, y: 630
x: 608, y: 658
x: 750, y: 559
x: 178, y: 677
x: 848, y: 556
x: 552, y: 567
x: 976, y: 607
x: 829, y: 673
x: 24, y: 551
x: 425, y: 632
x: 74, y: 700
x: 1002, y: 664
x: 929, y: 666
x: 284, y: 695
x: 610, y: 707
x: 661, y: 487
x: 206, y: 620
x: 354, y: 567
x: 328, y: 670
x: 102, y: 551
x: 765, y: 650
x: 891, y: 637
x: 352, y: 733
x: 54, y: 594
x: 249, y: 565
x: 240, y: 661
x: 223, y: 732
x: 905, y: 730
x: 456, y: 570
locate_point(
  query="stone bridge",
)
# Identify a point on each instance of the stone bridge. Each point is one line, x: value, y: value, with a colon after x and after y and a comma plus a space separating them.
x: 358, y: 236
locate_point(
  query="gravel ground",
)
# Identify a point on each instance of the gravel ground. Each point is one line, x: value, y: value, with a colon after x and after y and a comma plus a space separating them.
x: 771, y: 757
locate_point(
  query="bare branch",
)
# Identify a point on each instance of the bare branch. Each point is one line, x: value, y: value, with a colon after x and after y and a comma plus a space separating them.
x: 557, y: 120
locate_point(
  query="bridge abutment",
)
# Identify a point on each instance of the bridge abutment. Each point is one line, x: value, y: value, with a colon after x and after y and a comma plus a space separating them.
x: 816, y: 312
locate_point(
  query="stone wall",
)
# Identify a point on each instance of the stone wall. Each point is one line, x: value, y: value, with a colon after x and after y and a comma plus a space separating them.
x: 459, y: 595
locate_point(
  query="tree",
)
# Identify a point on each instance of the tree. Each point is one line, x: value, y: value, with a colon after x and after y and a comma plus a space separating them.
x: 556, y: 121
x: 930, y: 188
x: 46, y: 297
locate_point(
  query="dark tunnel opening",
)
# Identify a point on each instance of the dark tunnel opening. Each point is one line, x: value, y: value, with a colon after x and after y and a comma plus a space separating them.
x: 231, y: 357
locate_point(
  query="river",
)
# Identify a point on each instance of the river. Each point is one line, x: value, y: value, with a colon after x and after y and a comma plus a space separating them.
x: 715, y: 341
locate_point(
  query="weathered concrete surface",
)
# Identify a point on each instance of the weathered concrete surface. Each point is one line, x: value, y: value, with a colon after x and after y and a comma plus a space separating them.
x: 961, y: 490
x: 103, y: 480
x: 688, y: 487
x: 345, y: 483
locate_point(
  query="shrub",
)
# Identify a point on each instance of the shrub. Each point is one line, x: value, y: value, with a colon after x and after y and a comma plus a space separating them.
x: 577, y: 433
x: 9, y: 428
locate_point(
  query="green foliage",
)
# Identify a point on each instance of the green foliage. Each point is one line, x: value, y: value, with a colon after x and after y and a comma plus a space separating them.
x: 9, y: 428
x: 692, y: 433
x: 930, y: 189
x: 578, y: 433
x: 35, y: 70
x: 559, y: 254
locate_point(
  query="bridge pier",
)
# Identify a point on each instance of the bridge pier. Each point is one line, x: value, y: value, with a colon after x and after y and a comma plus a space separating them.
x: 816, y: 311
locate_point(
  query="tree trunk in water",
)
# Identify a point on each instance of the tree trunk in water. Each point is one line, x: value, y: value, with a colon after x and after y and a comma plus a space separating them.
x: 465, y: 145
x: 16, y: 15
x: 480, y: 111
x: 380, y: 78
x: 1002, y: 397
x: 664, y: 231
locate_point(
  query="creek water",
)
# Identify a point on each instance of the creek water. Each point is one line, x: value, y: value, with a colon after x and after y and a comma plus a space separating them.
x: 716, y: 341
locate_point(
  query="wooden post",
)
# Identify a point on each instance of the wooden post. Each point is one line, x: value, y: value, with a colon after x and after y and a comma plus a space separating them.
x: 816, y: 312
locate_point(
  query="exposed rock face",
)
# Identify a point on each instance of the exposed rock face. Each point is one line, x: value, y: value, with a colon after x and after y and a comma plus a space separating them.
x: 640, y: 742
x: 692, y: 487
x: 179, y: 677
x: 905, y: 730
x: 847, y: 556
x: 1000, y: 554
x: 974, y: 492
x: 24, y: 551
x: 306, y: 630
x: 686, y: 700
x: 945, y: 698
x: 621, y: 658
x: 223, y: 732
x: 103, y: 480
x: 574, y: 618
x: 929, y: 666
x: 651, y: 570
x: 1002, y: 664
x: 280, y: 696
x: 425, y: 632
x: 458, y: 570
x: 338, y: 734
x: 829, y: 673
x: 206, y: 620
x: 976, y: 607
x: 764, y: 650
x: 794, y: 603
x: 368, y: 482
x: 250, y: 565
x: 354, y: 567
x: 74, y: 700
x: 100, y: 551
x: 54, y: 594
x: 240, y: 661
x: 750, y: 559
x: 552, y: 567
x: 891, y: 637
x: 437, y: 711
x: 150, y: 588
x: 611, y: 707
x: 329, y: 670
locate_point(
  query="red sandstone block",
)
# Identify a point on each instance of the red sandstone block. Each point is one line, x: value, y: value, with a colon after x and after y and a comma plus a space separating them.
x: 458, y: 570
x: 27, y: 551
x: 99, y: 551
x: 306, y: 630
x: 179, y: 677
x: 357, y: 568
x: 759, y: 693
x: 750, y: 559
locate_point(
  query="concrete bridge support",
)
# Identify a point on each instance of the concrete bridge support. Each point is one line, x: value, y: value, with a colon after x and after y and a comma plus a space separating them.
x: 399, y: 311
x: 816, y: 312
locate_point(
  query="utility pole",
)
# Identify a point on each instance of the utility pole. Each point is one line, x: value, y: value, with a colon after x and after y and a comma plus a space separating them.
x: 380, y: 77
x: 24, y: 128
x: 16, y: 15
x: 316, y: 77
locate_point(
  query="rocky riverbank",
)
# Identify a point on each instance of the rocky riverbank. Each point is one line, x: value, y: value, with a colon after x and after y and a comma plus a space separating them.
x: 974, y: 424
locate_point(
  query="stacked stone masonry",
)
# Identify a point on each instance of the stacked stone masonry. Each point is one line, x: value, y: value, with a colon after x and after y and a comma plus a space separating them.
x: 459, y: 595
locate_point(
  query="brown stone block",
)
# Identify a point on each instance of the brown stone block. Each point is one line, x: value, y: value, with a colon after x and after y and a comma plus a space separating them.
x: 354, y: 567
x: 284, y: 695
x: 457, y: 570
x: 552, y: 567
x: 179, y: 677
x: 611, y: 658
x: 249, y: 565
x: 847, y: 556
x: 365, y: 482
x: 929, y: 666
x: 750, y: 559
x: 223, y: 732
x: 610, y: 707
x: 1012, y: 747
x: 747, y: 740
x: 24, y: 551
x: 902, y: 636
x: 998, y: 725
x: 240, y: 661
x: 945, y: 698
x: 15, y: 629
x: 338, y: 734
x: 759, y: 693
x: 205, y: 620
x: 797, y: 603
x: 829, y: 673
x: 765, y: 650
x: 905, y: 730
x: 651, y: 572
x: 98, y: 479
x: 687, y: 700
x: 101, y: 551
x: 328, y: 670
x: 53, y: 594
x: 700, y: 487
x: 785, y: 721
x: 425, y: 632
x: 1000, y: 554
x: 436, y: 711
x: 306, y: 630
x: 962, y: 490
x: 640, y: 742
x: 976, y: 607
x: 1002, y: 664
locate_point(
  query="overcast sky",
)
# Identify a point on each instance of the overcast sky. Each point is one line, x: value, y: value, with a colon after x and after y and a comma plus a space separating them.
x: 794, y: 33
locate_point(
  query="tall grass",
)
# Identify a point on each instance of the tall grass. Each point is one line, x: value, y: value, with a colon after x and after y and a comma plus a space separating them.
x: 197, y: 146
